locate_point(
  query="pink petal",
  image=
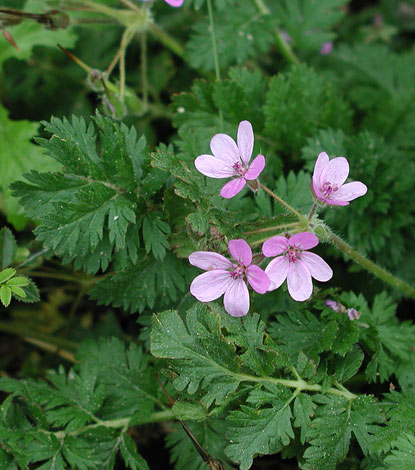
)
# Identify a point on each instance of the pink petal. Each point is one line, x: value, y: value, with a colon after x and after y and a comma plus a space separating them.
x: 318, y: 268
x: 303, y: 241
x: 224, y: 147
x: 349, y: 191
x: 208, y: 260
x: 213, y: 167
x: 236, y: 299
x: 275, y: 246
x: 255, y: 168
x: 258, y: 279
x: 334, y: 202
x: 277, y: 271
x: 321, y: 163
x: 232, y: 188
x: 299, y: 282
x: 335, y: 172
x: 210, y: 285
x: 174, y: 3
x: 241, y: 251
x: 245, y: 141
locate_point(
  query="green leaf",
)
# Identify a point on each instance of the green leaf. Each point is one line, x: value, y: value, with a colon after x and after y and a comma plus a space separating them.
x: 6, y: 274
x: 18, y: 157
x: 303, y: 410
x: 31, y: 293
x: 400, y: 409
x: 141, y: 286
x: 262, y: 430
x: 18, y: 281
x: 308, y: 23
x: 295, y: 190
x: 5, y: 295
x: 347, y: 366
x: 18, y: 291
x: 300, y: 102
x: 333, y: 426
x: 132, y: 459
x: 257, y: 351
x: 95, y: 197
x: 403, y: 455
x: 126, y: 375
x: 7, y: 247
x: 154, y: 233
x: 303, y: 331
x: 254, y: 36
x: 200, y: 355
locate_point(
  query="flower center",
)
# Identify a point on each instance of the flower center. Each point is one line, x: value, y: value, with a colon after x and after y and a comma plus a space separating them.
x: 292, y: 254
x: 238, y: 272
x: 239, y: 169
x: 329, y: 188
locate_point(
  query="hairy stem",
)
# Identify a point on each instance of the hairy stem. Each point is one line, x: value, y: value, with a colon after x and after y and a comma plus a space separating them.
x: 123, y: 423
x: 167, y: 40
x: 370, y: 266
x: 311, y: 213
x: 282, y: 45
x: 269, y: 229
x: 299, y: 384
x: 301, y: 218
x: 215, y: 52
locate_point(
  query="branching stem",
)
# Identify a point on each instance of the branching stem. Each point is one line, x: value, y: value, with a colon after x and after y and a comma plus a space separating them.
x: 301, y: 218
x: 370, y: 266
x: 299, y: 384
x: 122, y: 423
x: 269, y: 229
x: 215, y: 52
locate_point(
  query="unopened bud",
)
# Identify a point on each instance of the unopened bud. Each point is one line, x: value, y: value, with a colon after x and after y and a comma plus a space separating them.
x: 322, y: 232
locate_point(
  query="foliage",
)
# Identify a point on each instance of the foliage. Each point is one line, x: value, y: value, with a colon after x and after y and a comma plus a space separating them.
x: 101, y: 205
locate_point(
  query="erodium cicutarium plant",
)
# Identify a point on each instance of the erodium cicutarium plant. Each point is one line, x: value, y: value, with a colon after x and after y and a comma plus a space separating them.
x: 214, y: 269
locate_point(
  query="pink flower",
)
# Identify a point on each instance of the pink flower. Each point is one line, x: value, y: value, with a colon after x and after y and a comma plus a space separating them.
x: 174, y: 3
x: 328, y: 179
x: 296, y: 265
x: 225, y: 277
x: 326, y: 48
x: 230, y: 159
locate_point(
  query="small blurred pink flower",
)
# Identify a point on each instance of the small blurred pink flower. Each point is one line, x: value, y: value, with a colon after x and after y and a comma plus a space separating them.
x: 173, y: 3
x: 295, y: 264
x: 353, y: 314
x: 328, y: 178
x: 225, y: 277
x: 333, y: 305
x: 285, y: 36
x: 326, y: 48
x: 230, y: 159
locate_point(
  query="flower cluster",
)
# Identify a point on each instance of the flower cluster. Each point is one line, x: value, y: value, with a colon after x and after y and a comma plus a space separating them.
x: 292, y: 259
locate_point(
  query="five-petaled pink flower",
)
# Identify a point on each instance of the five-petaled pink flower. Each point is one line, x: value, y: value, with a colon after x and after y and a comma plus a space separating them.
x: 225, y: 277
x: 230, y: 159
x: 295, y: 264
x: 328, y: 178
